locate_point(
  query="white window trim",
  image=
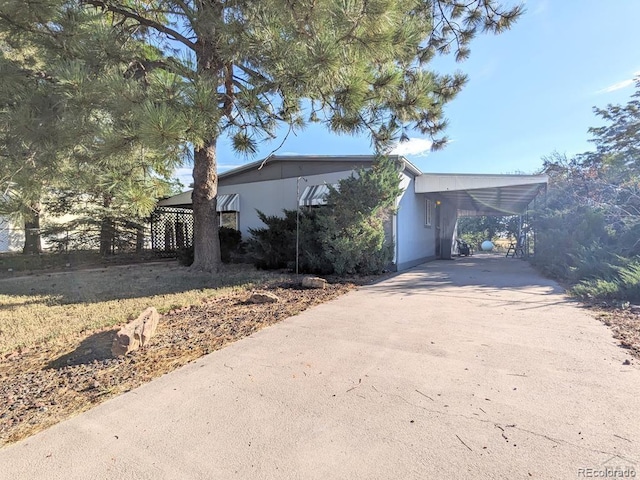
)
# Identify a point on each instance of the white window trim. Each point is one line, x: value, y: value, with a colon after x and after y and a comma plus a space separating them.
x: 428, y: 212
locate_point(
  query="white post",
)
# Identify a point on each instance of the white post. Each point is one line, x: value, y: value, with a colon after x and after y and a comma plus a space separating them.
x: 298, y: 221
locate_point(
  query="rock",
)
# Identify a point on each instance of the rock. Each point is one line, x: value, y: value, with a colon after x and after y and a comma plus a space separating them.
x: 263, y: 297
x: 136, y: 333
x: 626, y: 362
x: 314, y: 282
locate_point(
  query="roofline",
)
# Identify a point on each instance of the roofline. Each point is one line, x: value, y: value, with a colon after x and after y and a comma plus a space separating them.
x: 541, y: 177
x: 407, y: 165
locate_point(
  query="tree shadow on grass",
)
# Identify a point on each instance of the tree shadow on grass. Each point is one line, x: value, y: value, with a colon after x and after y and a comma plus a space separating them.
x: 121, y: 282
x: 96, y: 347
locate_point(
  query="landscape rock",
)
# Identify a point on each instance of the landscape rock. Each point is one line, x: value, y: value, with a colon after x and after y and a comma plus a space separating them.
x: 136, y: 333
x: 314, y: 282
x: 263, y: 297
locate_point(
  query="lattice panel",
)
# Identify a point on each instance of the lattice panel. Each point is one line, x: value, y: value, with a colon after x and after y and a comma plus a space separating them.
x: 171, y: 230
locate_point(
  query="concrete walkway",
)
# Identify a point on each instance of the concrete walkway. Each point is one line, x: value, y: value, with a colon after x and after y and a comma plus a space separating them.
x: 473, y: 368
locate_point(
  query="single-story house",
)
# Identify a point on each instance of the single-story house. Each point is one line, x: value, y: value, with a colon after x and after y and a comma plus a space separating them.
x: 422, y: 229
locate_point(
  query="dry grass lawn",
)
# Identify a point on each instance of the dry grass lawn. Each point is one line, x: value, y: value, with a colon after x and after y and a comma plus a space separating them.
x: 60, y: 307
x: 57, y: 331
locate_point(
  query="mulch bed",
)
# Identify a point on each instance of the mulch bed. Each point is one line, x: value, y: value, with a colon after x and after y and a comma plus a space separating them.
x: 625, y: 325
x: 45, y: 385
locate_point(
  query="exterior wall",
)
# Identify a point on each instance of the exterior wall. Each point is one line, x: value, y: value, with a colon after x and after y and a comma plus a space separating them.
x: 415, y: 242
x: 11, y: 238
x: 272, y: 196
x: 289, y: 168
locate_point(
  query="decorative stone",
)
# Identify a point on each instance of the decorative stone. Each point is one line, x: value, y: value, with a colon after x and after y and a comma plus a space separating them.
x: 263, y: 297
x: 136, y: 333
x: 314, y: 282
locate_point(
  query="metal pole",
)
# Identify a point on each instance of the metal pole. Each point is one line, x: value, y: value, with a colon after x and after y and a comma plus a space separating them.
x: 298, y: 222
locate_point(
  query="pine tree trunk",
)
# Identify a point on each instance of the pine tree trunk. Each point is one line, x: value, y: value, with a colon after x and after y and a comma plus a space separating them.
x: 106, y: 236
x: 206, y: 242
x: 205, y: 220
x: 32, y: 239
x: 139, y: 239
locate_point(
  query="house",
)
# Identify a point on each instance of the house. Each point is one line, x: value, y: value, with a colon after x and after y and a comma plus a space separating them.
x: 11, y: 237
x: 422, y: 229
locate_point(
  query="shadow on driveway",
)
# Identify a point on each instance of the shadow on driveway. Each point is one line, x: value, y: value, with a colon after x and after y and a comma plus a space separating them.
x: 483, y: 271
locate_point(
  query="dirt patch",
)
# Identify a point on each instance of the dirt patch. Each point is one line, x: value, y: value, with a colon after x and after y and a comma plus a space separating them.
x: 625, y: 325
x: 44, y: 385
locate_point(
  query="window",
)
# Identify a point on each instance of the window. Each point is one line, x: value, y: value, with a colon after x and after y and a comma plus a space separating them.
x: 228, y: 219
x: 428, y: 212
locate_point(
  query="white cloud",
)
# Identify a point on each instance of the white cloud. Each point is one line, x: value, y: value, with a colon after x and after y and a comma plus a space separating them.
x: 413, y: 146
x: 620, y: 85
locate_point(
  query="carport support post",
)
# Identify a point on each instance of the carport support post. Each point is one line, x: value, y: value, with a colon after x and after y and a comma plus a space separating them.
x: 448, y: 222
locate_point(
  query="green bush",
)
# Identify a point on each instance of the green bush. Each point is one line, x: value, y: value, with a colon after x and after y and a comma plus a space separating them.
x: 273, y: 246
x: 353, y: 247
x: 230, y: 243
x: 572, y: 244
x: 346, y: 236
x: 624, y: 285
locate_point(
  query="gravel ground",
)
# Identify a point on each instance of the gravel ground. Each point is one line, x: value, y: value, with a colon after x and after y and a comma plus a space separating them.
x: 43, y: 386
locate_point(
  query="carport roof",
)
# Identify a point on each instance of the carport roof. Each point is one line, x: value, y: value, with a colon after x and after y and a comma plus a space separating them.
x: 483, y: 194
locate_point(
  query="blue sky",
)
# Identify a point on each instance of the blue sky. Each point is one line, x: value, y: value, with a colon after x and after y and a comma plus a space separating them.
x: 531, y: 91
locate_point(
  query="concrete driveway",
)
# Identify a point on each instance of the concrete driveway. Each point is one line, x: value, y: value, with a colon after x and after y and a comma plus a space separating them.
x: 474, y: 368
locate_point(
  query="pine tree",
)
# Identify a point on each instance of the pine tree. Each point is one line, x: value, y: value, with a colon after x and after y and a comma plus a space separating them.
x: 358, y: 66
x: 69, y: 100
x: 30, y: 135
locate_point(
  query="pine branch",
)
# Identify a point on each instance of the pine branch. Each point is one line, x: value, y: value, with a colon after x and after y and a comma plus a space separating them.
x: 175, y: 35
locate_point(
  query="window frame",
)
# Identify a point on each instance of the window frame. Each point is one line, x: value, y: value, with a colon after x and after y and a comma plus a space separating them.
x: 237, y: 219
x: 428, y: 213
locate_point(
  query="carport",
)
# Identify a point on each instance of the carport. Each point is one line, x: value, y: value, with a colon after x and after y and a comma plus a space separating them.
x: 473, y: 194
